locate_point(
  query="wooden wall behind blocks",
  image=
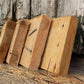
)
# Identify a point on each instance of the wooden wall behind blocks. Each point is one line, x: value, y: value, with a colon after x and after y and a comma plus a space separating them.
x: 5, y: 39
x: 17, y: 42
x: 18, y: 9
x: 60, y: 43
x: 35, y: 42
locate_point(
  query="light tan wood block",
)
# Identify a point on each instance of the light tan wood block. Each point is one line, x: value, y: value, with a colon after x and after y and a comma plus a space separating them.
x: 17, y: 43
x: 59, y: 46
x: 5, y: 38
x: 35, y: 42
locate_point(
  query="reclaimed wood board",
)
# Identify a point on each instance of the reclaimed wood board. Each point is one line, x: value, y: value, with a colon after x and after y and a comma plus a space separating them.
x: 6, y: 10
x: 47, y: 7
x: 70, y: 7
x: 59, y: 46
x: 23, y: 9
x: 5, y: 38
x: 35, y: 42
x: 17, y: 42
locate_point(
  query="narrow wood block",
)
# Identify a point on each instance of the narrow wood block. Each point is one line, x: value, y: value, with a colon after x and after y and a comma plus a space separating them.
x: 59, y: 46
x: 17, y: 42
x: 5, y: 38
x: 35, y: 42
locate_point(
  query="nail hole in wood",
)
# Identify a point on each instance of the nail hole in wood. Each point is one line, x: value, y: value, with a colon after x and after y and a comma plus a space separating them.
x: 58, y: 45
x: 62, y: 25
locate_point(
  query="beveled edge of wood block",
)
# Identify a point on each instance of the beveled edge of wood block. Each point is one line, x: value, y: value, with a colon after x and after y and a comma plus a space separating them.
x: 23, y: 21
x: 6, y: 26
x: 40, y: 16
x: 9, y: 22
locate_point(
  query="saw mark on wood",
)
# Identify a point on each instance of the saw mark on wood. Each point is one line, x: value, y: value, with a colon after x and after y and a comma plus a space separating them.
x: 28, y: 49
x: 32, y: 32
x: 49, y: 63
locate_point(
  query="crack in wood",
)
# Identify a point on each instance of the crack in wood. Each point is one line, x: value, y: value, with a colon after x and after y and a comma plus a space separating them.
x: 49, y: 63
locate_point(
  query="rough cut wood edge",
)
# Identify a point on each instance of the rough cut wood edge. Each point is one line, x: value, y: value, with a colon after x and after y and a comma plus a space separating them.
x: 17, y: 43
x: 5, y: 38
x: 41, y: 37
x: 58, y: 61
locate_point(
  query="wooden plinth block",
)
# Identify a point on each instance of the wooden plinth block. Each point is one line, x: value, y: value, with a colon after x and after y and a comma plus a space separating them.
x: 5, y: 38
x: 35, y: 42
x: 17, y: 43
x: 59, y: 46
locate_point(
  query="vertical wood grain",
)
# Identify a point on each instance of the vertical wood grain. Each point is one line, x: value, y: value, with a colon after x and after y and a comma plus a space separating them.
x: 23, y: 9
x: 70, y: 7
x: 47, y: 7
x: 5, y: 10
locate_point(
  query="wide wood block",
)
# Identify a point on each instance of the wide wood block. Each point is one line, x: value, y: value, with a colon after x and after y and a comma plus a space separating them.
x: 17, y: 42
x: 35, y: 42
x: 5, y: 38
x: 59, y: 46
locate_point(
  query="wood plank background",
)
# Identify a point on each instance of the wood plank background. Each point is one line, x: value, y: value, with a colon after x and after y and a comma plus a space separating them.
x: 17, y: 9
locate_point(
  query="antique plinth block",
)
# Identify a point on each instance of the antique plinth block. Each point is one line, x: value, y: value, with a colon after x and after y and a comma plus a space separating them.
x: 18, y: 41
x: 5, y: 38
x: 59, y: 46
x: 35, y: 42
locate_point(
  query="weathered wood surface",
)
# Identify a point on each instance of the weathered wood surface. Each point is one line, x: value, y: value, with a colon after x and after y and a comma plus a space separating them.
x: 47, y: 7
x: 5, y: 39
x: 23, y: 9
x: 6, y: 8
x: 52, y: 8
x: 57, y: 54
x: 17, y: 42
x: 70, y: 7
x: 35, y: 42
